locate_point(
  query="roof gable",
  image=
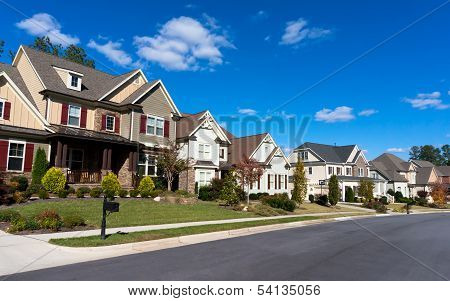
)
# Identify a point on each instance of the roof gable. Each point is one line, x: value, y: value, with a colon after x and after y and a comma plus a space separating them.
x: 329, y: 153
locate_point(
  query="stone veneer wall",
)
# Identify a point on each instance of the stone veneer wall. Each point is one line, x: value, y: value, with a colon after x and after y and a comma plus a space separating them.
x: 124, y: 175
x: 187, y: 180
x: 98, y: 119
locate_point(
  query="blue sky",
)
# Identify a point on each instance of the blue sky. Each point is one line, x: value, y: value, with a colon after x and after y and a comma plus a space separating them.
x: 244, y: 60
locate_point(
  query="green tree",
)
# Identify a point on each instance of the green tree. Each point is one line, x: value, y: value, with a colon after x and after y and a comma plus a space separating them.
x: 349, y: 195
x: 78, y: 55
x: 170, y: 164
x: 300, y: 183
x: 2, y: 44
x: 414, y: 153
x: 427, y: 153
x: 446, y: 154
x: 366, y: 188
x: 40, y: 165
x: 45, y: 45
x: 229, y: 189
x: 334, y: 193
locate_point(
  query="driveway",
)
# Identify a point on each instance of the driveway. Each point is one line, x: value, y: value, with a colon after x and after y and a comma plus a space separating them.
x: 406, y: 247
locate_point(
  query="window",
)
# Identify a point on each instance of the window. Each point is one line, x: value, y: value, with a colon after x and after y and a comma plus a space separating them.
x: 146, y: 165
x: 303, y: 156
x: 271, y: 181
x: 330, y: 170
x: 15, y: 156
x: 110, y: 120
x: 204, y: 151
x: 338, y: 171
x: 310, y: 170
x: 155, y: 126
x: 348, y: 171
x: 2, y: 108
x: 74, y: 82
x: 204, y: 178
x: 222, y: 153
x: 281, y: 182
x: 75, y: 159
x: 360, y: 172
x: 74, y: 115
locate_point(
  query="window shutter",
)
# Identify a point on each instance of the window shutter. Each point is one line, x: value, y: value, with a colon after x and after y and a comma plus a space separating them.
x: 7, y: 110
x: 285, y: 181
x: 117, y: 125
x: 143, y: 124
x: 279, y: 182
x: 64, y: 113
x: 268, y: 181
x: 103, y: 122
x: 83, y: 118
x: 29, y: 151
x: 3, y: 154
x: 166, y: 128
x: 275, y: 181
x: 259, y: 182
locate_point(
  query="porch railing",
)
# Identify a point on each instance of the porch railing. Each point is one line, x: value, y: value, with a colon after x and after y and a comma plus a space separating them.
x: 83, y: 177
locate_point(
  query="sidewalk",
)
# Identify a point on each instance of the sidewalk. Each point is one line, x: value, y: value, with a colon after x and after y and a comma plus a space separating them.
x: 48, y: 236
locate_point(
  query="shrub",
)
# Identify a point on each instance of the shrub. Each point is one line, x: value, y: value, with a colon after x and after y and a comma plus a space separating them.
x: 71, y: 190
x: 72, y: 221
x: 422, y: 193
x: 110, y: 185
x: 311, y: 198
x: 384, y: 200
x: 280, y: 201
x: 157, y: 192
x: 376, y: 205
x: 18, y: 197
x: 264, y: 210
x: 334, y: 193
x: 8, y: 215
x: 421, y: 201
x: 22, y: 224
x: 62, y: 194
x: 242, y: 196
x: 397, y: 196
x: 81, y: 191
x: 229, y: 190
x: 181, y: 192
x: 205, y: 193
x: 40, y: 165
x: 33, y: 189
x: 323, y: 200
x: 95, y: 192
x: 216, y: 187
x: 349, y: 195
x: 134, y: 193
x: 253, y: 196
x: 123, y: 193
x: 54, y: 180
x: 43, y: 194
x: 146, y: 186
x: 391, y: 192
x: 49, y: 219
x: 20, y: 182
x: 160, y: 183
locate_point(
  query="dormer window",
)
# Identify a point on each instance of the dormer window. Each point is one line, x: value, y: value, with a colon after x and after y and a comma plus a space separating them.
x: 74, y: 82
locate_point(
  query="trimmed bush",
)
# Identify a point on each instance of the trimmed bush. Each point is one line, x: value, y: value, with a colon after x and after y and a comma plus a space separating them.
x: 384, y: 200
x: 20, y: 182
x: 264, y: 210
x: 110, y: 185
x: 253, y: 196
x: 33, y: 189
x: 280, y: 201
x: 349, y: 195
x: 422, y: 193
x: 82, y: 191
x: 377, y: 205
x: 311, y: 198
x: 8, y: 215
x: 54, y: 180
x: 62, y: 194
x: 323, y: 200
x: 40, y: 165
x: 49, y: 219
x: 134, y: 193
x: 43, y: 194
x: 391, y: 192
x: 22, y: 224
x: 146, y: 186
x: 72, y: 221
x: 205, y: 193
x: 18, y: 197
x: 397, y: 196
x: 123, y: 193
x: 71, y: 190
x: 421, y: 202
x: 156, y: 192
x: 216, y: 187
x: 95, y: 192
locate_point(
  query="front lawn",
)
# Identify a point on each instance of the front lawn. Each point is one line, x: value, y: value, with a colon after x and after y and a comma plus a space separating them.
x: 134, y: 212
x: 307, y: 208
x: 123, y: 238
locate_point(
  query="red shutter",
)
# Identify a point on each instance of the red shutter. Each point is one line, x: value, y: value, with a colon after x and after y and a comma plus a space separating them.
x: 285, y: 181
x: 143, y: 124
x: 29, y: 151
x: 268, y: 181
x: 103, y: 122
x: 3, y: 154
x: 7, y: 110
x: 166, y: 128
x: 117, y: 125
x: 64, y: 113
x: 83, y: 118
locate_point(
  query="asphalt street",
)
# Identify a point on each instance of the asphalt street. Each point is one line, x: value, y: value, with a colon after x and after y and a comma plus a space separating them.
x: 406, y: 247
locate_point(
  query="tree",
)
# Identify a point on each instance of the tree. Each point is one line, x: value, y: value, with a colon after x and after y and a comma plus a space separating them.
x: 349, y: 195
x: 78, y: 55
x: 45, y: 45
x: 366, y: 188
x: 414, y: 153
x: 333, y: 190
x: 170, y: 164
x: 40, y: 165
x: 249, y: 171
x: 439, y: 194
x: 445, y: 149
x: 2, y: 44
x: 229, y: 189
x: 427, y: 153
x: 300, y: 183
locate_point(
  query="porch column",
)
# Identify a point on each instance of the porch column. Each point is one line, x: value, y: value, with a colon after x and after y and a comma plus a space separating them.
x: 135, y: 161
x: 64, y: 156
x: 105, y: 158
x: 58, y: 154
x: 130, y: 161
x: 343, y: 192
x: 108, y: 166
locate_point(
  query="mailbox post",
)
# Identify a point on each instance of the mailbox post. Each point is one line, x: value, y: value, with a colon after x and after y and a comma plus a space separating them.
x: 321, y: 183
x: 108, y: 207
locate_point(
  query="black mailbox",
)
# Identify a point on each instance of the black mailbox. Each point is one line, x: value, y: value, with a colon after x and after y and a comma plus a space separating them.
x: 112, y: 206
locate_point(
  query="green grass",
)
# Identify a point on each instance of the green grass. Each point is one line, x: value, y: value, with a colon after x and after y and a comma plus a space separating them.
x: 135, y: 212
x: 123, y: 238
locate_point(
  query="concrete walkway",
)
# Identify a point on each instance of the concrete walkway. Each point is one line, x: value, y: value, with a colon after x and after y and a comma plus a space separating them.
x: 48, y: 236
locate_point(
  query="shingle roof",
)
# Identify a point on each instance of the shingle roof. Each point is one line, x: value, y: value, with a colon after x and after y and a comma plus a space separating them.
x: 423, y: 163
x: 330, y: 153
x: 88, y: 134
x: 15, y: 76
x: 443, y: 171
x: 423, y: 175
x: 389, y: 166
x: 188, y: 123
x: 95, y: 83
x: 243, y: 147
x: 142, y: 89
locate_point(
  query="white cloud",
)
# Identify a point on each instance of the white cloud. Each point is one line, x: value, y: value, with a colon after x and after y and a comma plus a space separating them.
x: 367, y: 113
x: 43, y: 24
x: 183, y: 44
x: 260, y: 15
x: 267, y: 38
x: 397, y: 150
x: 247, y: 111
x: 340, y: 114
x: 427, y: 100
x: 297, y: 31
x: 112, y: 50
x: 365, y: 151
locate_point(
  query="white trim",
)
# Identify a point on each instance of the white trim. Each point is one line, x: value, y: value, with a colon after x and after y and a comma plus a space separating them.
x: 68, y: 116
x: 23, y: 157
x: 2, y: 112
x: 106, y: 123
x: 47, y: 112
x: 122, y: 82
x: 156, y: 119
x: 27, y: 101
x: 132, y: 125
x: 29, y: 61
x: 218, y: 128
x: 49, y: 151
x: 69, y: 71
x: 70, y: 76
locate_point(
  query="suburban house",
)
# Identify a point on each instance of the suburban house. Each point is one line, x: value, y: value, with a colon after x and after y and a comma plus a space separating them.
x: 401, y: 175
x: 263, y: 149
x: 427, y: 175
x: 347, y: 162
x: 88, y: 122
x: 202, y: 140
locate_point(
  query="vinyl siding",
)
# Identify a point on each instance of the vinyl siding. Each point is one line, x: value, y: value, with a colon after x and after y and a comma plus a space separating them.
x: 126, y: 89
x: 54, y: 116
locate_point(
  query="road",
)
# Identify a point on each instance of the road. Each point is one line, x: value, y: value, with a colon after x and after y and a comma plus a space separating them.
x: 407, y: 247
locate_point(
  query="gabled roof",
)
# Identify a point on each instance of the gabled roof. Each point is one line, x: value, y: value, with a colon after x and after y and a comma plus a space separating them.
x: 329, y: 153
x: 422, y: 163
x: 95, y: 83
x: 389, y: 174
x: 423, y: 175
x: 443, y: 171
x: 392, y: 162
x: 244, y: 147
x: 17, y: 79
x: 189, y: 123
